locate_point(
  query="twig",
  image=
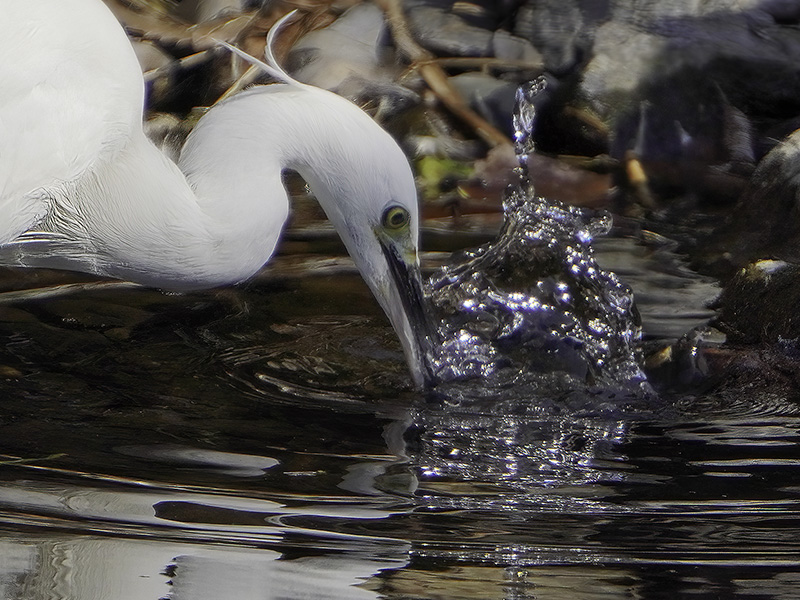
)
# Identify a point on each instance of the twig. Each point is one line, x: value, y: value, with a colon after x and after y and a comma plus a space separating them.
x: 182, y: 63
x: 163, y: 27
x: 245, y: 79
x: 486, y: 62
x: 434, y: 75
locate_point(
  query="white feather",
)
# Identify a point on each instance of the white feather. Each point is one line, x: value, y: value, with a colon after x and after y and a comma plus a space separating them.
x: 81, y: 187
x: 271, y: 67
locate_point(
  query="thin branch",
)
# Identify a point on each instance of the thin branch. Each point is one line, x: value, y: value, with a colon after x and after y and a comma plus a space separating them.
x: 487, y: 62
x: 434, y: 75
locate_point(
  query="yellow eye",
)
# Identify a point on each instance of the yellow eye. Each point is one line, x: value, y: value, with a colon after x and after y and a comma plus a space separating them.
x: 396, y: 217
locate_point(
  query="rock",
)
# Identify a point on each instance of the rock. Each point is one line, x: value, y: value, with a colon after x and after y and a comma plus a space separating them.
x: 694, y: 89
x: 624, y: 56
x: 200, y: 11
x: 766, y: 221
x: 447, y: 34
x: 506, y: 46
x: 491, y: 98
x: 697, y: 78
x: 447, y: 31
x: 646, y: 11
x: 352, y: 58
x: 558, y: 29
x: 484, y: 14
x: 759, y: 305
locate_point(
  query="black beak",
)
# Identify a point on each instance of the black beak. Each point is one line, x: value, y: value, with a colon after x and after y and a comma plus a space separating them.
x: 408, y: 281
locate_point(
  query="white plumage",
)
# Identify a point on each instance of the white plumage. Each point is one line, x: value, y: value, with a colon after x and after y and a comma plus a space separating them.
x: 81, y: 187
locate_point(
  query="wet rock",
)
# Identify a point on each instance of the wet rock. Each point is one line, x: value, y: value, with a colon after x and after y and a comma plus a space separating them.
x: 506, y: 46
x: 491, y: 98
x: 559, y: 29
x: 451, y: 29
x: 686, y: 364
x: 686, y: 86
x: 766, y: 221
x: 759, y: 305
x: 445, y: 33
x: 770, y: 374
x: 695, y: 89
x: 352, y: 58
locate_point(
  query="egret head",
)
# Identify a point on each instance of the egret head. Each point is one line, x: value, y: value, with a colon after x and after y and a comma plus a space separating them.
x: 365, y: 185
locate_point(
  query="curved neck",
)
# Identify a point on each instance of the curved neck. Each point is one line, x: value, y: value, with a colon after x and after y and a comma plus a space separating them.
x: 215, y: 220
x: 234, y: 158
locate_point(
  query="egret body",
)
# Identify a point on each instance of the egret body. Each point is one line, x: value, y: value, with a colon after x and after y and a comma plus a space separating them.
x: 82, y: 188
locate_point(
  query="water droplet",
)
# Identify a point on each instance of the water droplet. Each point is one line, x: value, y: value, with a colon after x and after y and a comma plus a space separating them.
x: 535, y: 300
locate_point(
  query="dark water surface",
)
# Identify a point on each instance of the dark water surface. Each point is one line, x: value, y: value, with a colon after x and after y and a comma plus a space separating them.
x: 264, y: 443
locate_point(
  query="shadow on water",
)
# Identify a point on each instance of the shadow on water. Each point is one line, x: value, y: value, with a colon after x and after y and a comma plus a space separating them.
x: 265, y: 442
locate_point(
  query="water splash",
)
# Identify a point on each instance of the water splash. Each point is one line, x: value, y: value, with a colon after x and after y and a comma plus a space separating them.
x: 535, y: 302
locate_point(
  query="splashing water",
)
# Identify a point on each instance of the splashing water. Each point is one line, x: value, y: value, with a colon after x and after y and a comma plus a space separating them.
x: 534, y: 302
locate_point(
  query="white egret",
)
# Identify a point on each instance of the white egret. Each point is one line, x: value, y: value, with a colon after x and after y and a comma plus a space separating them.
x: 82, y: 188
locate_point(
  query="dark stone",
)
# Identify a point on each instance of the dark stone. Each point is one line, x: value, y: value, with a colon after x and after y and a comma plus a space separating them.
x: 561, y: 31
x: 512, y: 48
x: 766, y: 221
x: 697, y: 78
x: 485, y: 14
x: 448, y: 34
x: 491, y: 98
x: 450, y: 28
x: 696, y: 89
x: 759, y: 305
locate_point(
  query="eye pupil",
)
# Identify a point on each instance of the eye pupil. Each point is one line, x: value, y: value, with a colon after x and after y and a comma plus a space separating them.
x: 396, y: 217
